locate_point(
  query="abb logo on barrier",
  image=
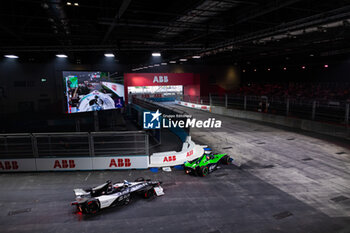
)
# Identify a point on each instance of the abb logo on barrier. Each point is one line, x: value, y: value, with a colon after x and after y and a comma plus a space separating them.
x: 64, y: 164
x: 9, y: 165
x: 160, y: 79
x: 189, y: 153
x: 153, y: 95
x: 169, y: 158
x: 120, y: 163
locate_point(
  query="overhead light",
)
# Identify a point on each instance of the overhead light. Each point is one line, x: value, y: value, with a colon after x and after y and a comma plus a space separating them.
x: 156, y: 64
x: 109, y: 55
x: 325, y: 66
x: 61, y: 55
x: 76, y: 4
x: 196, y: 57
x: 172, y: 62
x: 303, y: 67
x: 243, y: 71
x: 156, y: 54
x: 183, y: 59
x: 69, y: 3
x: 164, y: 63
x: 311, y: 55
x: 11, y: 56
x: 284, y: 68
x: 254, y: 70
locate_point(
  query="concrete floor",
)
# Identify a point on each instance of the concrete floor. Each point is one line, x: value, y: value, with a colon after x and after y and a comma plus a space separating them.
x: 312, y: 168
x: 229, y: 200
x: 282, y: 182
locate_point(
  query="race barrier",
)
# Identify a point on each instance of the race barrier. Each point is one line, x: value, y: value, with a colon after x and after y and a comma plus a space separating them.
x: 46, y: 162
x: 74, y: 163
x: 189, y: 151
x: 192, y: 105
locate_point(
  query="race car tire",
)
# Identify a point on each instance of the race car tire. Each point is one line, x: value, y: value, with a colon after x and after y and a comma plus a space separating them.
x: 127, y: 200
x: 204, y: 171
x: 226, y: 160
x: 149, y: 193
x: 140, y: 179
x: 92, y: 207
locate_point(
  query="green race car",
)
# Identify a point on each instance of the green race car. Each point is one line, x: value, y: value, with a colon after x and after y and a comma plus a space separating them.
x: 207, y: 163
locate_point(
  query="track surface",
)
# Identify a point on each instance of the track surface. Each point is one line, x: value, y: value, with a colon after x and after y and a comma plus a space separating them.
x: 311, y: 169
x: 229, y: 200
x: 285, y: 183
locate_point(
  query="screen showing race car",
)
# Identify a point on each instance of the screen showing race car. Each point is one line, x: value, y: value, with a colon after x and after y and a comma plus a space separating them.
x: 91, y: 91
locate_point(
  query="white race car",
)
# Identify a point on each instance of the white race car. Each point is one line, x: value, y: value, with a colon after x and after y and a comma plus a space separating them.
x: 90, y: 201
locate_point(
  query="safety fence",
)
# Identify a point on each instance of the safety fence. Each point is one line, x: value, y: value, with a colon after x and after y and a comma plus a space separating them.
x: 311, y: 109
x: 75, y: 144
x: 74, y: 151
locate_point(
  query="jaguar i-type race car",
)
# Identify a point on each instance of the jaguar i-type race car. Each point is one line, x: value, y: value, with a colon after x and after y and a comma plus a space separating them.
x: 207, y: 163
x: 90, y: 201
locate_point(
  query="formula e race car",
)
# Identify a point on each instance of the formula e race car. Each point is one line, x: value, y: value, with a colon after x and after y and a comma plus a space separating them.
x: 207, y: 163
x: 90, y: 201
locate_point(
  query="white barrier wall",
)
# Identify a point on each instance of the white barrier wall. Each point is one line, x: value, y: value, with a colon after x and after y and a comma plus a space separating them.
x: 189, y: 151
x: 63, y: 164
x: 196, y: 106
x: 17, y: 165
x: 74, y: 163
x: 112, y: 163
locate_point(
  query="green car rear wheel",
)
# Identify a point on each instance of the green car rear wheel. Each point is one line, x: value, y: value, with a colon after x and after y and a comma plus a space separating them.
x: 226, y: 160
x: 205, y: 171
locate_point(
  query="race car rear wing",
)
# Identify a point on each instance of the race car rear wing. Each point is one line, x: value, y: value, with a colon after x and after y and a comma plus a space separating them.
x: 80, y: 192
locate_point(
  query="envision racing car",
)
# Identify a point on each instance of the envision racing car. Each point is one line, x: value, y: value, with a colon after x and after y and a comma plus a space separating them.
x: 90, y: 201
x: 207, y: 163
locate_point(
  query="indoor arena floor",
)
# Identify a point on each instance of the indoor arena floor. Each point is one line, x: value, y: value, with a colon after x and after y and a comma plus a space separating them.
x: 281, y: 181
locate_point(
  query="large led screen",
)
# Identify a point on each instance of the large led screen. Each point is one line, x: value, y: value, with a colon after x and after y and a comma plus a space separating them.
x: 91, y: 91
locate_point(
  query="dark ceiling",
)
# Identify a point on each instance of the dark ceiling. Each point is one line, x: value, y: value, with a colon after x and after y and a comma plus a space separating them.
x: 220, y: 31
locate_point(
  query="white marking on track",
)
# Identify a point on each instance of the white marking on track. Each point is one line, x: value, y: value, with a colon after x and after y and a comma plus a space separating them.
x: 87, y: 177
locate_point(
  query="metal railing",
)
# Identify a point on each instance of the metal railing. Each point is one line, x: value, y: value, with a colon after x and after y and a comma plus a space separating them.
x: 75, y: 144
x: 312, y: 109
